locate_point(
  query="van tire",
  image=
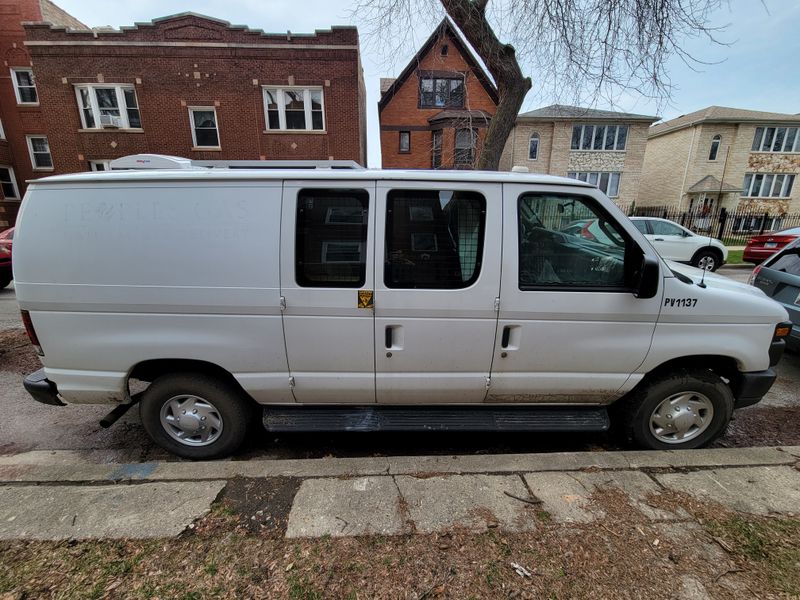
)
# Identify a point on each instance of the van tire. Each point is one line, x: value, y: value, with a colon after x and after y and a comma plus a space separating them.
x: 632, y: 416
x: 705, y: 255
x: 4, y: 281
x: 235, y: 413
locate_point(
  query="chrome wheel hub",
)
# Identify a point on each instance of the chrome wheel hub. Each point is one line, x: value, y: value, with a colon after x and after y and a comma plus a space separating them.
x: 681, y: 417
x: 191, y: 420
x: 707, y: 263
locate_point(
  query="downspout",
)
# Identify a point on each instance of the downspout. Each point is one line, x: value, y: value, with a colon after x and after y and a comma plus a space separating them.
x: 686, y: 168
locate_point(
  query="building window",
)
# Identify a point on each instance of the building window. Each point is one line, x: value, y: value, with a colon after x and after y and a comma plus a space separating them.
x: 2, y: 131
x: 294, y: 108
x: 768, y: 185
x: 712, y: 154
x: 24, y: 86
x: 533, y: 147
x: 39, y: 149
x: 434, y: 238
x: 203, y: 121
x: 436, y: 148
x: 405, y: 142
x: 608, y: 182
x: 108, y: 106
x: 444, y: 50
x: 599, y: 137
x: 441, y: 92
x: 464, y: 154
x: 331, y: 238
x: 99, y: 165
x: 776, y: 139
x: 8, y: 183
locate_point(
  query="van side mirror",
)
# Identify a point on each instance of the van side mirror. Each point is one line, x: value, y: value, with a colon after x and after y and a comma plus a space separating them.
x: 648, y: 276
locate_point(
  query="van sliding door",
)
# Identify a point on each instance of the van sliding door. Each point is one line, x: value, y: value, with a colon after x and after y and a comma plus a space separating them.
x: 327, y: 257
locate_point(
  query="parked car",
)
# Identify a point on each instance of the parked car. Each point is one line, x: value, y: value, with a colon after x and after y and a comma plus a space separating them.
x: 761, y: 247
x: 356, y: 299
x: 6, y: 244
x: 675, y: 242
x: 779, y: 278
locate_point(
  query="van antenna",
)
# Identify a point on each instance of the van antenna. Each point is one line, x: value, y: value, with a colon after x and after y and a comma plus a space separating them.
x: 702, y: 283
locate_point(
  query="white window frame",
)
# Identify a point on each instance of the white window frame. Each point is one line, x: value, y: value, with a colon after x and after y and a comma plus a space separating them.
x: 282, y: 107
x: 534, y: 136
x: 2, y: 131
x: 594, y: 177
x: 29, y: 139
x: 14, y: 81
x: 13, y: 182
x: 594, y: 127
x: 93, y: 165
x: 192, y: 110
x: 786, y: 185
x: 717, y: 139
x: 119, y: 90
x: 795, y: 149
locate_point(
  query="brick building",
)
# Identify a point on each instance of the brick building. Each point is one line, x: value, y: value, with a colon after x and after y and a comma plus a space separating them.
x: 436, y: 112
x: 20, y: 110
x: 603, y: 147
x: 191, y: 86
x: 685, y: 164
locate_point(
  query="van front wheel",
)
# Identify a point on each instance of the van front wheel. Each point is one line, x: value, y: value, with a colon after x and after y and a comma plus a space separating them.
x: 687, y: 409
x: 195, y: 416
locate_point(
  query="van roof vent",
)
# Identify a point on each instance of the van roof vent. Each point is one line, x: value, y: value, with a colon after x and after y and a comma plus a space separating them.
x: 161, y: 161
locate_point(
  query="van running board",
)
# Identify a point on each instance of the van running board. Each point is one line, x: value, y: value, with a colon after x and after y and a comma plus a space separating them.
x: 434, y: 418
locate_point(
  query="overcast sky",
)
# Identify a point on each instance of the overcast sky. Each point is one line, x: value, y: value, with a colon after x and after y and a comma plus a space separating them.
x: 757, y: 71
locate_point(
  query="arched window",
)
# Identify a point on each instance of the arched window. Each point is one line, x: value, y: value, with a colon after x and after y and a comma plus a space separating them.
x: 712, y: 154
x: 533, y: 147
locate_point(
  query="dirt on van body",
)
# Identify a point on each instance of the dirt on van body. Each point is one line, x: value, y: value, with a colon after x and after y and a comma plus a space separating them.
x: 712, y: 554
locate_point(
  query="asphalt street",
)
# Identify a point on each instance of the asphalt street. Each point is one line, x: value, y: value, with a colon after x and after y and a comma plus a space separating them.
x: 9, y: 311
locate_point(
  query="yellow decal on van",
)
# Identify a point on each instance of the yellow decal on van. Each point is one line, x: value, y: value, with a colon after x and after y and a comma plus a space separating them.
x: 366, y: 298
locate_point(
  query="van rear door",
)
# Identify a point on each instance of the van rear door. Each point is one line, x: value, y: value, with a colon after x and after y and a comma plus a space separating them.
x: 327, y: 257
x: 436, y: 287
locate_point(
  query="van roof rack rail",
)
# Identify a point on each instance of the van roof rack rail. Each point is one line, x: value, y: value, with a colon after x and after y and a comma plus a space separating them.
x: 163, y: 161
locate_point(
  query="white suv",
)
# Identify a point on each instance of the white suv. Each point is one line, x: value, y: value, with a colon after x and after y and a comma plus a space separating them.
x: 677, y: 243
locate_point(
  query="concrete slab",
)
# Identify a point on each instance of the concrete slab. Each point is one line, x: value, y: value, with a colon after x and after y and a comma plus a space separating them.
x: 148, y: 510
x: 45, y: 466
x: 345, y: 507
x: 757, y: 490
x: 470, y: 502
x: 566, y: 496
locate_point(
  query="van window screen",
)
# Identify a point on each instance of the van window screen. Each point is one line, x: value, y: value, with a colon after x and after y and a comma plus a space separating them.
x: 331, y: 238
x: 568, y: 242
x: 434, y: 238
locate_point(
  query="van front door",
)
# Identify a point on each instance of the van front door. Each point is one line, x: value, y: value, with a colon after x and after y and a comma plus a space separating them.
x: 570, y: 328
x: 327, y: 258
x: 436, y: 288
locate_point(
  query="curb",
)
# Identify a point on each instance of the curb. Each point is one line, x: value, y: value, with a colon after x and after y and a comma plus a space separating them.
x: 71, y: 467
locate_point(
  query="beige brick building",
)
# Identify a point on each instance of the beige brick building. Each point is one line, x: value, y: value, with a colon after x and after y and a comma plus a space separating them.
x: 603, y: 147
x: 685, y: 163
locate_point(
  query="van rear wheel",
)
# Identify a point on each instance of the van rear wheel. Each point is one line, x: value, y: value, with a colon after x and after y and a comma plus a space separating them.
x: 686, y: 409
x: 195, y: 416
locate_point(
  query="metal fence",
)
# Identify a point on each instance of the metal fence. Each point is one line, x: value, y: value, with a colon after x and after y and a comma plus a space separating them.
x: 732, y: 227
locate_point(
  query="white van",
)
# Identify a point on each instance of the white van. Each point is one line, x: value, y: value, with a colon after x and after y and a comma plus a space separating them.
x: 355, y: 299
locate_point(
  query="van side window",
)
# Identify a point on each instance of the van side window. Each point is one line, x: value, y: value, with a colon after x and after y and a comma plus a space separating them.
x: 434, y: 238
x: 331, y: 238
x: 566, y: 241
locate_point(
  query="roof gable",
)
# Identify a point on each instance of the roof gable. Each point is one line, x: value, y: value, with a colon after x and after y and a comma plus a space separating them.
x: 721, y: 114
x: 444, y: 29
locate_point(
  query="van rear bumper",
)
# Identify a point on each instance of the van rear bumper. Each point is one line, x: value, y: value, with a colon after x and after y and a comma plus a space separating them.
x: 42, y: 389
x: 751, y: 387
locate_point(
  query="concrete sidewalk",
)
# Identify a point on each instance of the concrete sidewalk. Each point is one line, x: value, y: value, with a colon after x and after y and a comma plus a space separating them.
x: 59, y: 495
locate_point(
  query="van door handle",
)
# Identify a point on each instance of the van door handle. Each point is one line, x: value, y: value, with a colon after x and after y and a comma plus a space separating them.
x: 388, y: 340
x: 658, y: 240
x: 506, y: 336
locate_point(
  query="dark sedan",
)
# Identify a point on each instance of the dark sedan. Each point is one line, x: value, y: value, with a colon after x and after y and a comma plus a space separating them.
x: 779, y: 278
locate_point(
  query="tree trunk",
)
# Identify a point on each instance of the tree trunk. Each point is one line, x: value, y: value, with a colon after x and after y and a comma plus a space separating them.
x: 501, y: 61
